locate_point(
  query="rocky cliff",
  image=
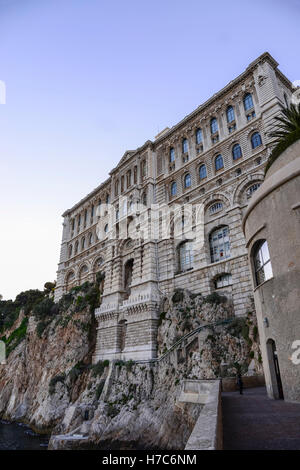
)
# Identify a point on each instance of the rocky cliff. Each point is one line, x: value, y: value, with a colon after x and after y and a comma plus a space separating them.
x: 50, y: 383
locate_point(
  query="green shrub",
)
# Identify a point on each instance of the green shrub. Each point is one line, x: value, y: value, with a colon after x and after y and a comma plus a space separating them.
x: 16, y: 336
x: 215, y: 298
x: 45, y: 308
x: 65, y: 302
x: 120, y: 363
x: 129, y: 365
x: 76, y: 371
x: 28, y: 299
x: 41, y: 326
x: 98, y: 368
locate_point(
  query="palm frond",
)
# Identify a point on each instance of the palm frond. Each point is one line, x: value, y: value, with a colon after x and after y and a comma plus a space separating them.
x: 285, y: 131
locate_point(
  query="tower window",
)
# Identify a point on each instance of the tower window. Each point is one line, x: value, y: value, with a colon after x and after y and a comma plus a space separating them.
x: 262, y: 263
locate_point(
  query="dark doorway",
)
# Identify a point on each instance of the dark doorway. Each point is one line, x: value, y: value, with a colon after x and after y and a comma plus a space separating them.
x: 274, y: 370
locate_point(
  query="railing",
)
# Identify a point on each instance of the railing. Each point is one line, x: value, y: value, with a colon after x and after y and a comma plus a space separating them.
x: 188, y: 335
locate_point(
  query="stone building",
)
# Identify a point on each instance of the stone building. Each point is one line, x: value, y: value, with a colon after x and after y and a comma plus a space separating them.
x: 214, y: 159
x: 272, y: 228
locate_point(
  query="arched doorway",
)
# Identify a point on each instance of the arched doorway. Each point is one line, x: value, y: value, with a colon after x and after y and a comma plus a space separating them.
x: 274, y: 370
x: 128, y: 268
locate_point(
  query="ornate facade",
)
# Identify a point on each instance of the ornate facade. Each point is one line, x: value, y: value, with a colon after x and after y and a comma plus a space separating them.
x: 214, y: 158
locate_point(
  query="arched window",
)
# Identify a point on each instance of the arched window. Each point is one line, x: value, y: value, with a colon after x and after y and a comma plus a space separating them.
x: 185, y: 146
x: 107, y: 199
x: 219, y: 162
x: 98, y: 264
x: 223, y: 280
x: 214, y: 125
x: 202, y: 171
x: 172, y: 155
x: 185, y: 256
x: 173, y: 188
x: 70, y: 251
x: 262, y: 263
x: 106, y: 228
x: 216, y: 207
x: 236, y: 152
x: 230, y: 114
x: 248, y: 101
x: 83, y: 272
x: 256, y: 140
x: 83, y: 243
x: 254, y: 187
x: 199, y: 136
x: 76, y: 247
x: 187, y: 180
x: 219, y: 244
x: 70, y: 277
x: 144, y: 199
x: 90, y: 238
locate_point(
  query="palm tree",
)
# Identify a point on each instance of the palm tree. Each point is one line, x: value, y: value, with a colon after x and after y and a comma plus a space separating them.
x: 285, y: 132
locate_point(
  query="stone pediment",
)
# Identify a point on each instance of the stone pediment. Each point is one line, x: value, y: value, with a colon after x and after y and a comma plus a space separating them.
x: 124, y: 159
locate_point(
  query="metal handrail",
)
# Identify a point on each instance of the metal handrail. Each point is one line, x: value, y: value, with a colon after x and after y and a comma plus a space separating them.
x: 188, y: 335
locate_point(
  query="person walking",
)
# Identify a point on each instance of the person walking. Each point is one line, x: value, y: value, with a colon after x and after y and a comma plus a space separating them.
x: 240, y: 383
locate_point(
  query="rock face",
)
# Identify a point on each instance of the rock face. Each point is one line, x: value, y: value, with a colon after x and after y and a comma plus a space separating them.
x: 49, y: 382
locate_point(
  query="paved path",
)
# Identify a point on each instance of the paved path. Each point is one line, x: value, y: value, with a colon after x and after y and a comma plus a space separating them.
x: 253, y: 421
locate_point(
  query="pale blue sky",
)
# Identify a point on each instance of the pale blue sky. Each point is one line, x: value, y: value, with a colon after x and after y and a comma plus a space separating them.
x: 88, y: 79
